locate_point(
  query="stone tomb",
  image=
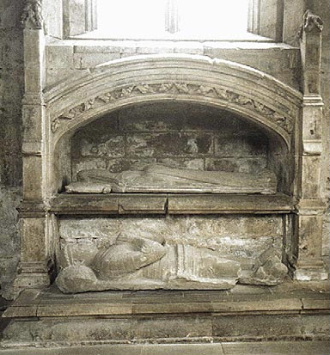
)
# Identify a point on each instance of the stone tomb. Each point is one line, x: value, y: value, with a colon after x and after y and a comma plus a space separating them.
x: 169, y: 171
x: 143, y: 118
x: 154, y: 154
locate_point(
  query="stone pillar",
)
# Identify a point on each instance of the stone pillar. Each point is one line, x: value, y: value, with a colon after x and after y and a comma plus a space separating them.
x: 33, y: 268
x: 311, y: 207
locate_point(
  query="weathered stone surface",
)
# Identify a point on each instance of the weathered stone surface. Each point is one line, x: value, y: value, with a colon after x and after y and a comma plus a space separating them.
x: 155, y: 178
x: 169, y: 144
x: 229, y: 204
x: 203, y: 231
x: 268, y: 269
x: 176, y: 134
x: 146, y: 328
x: 11, y: 93
x: 107, y: 146
x: 224, y: 324
x: 141, y: 263
x: 263, y: 326
x: 277, y: 59
x: 9, y: 236
x: 269, y: 57
x: 286, y: 312
x: 242, y: 165
x: 216, y: 152
x: 152, y: 253
x: 86, y: 204
x: 302, y: 347
x: 91, y: 60
x: 249, y: 146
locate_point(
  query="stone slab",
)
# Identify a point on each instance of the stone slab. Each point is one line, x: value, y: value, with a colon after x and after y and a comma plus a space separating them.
x: 22, y: 312
x: 176, y: 204
x: 234, y: 348
x: 270, y: 327
x: 230, y: 204
x: 277, y: 348
x: 138, y: 204
x: 222, y: 348
x: 84, y: 204
x: 315, y: 304
x: 52, y: 303
x: 27, y: 297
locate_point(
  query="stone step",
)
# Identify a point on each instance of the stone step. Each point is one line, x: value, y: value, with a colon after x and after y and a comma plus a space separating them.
x: 285, y: 313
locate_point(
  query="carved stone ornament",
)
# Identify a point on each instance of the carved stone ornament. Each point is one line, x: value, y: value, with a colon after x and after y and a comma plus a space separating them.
x: 32, y: 15
x: 267, y: 270
x: 177, y: 88
x: 151, y: 263
x: 312, y: 22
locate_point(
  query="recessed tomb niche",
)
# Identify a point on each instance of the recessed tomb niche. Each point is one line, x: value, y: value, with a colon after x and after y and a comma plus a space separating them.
x: 173, y: 148
x: 172, y: 195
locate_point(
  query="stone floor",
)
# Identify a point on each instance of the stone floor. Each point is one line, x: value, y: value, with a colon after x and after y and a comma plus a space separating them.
x: 247, y: 348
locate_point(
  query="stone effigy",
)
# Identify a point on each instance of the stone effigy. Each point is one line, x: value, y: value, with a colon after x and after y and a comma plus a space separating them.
x: 267, y: 270
x: 137, y: 263
x: 141, y: 263
x: 159, y: 178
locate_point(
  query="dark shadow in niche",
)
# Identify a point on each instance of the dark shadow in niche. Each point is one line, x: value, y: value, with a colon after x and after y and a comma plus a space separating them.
x: 177, y: 135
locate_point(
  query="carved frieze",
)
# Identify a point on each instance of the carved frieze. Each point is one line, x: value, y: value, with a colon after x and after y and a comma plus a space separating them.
x: 32, y: 15
x: 179, y: 88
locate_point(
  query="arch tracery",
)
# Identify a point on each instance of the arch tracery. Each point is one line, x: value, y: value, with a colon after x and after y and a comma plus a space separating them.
x: 223, y: 84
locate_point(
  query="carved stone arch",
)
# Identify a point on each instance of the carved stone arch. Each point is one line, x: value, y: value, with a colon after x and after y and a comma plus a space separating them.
x: 199, y: 79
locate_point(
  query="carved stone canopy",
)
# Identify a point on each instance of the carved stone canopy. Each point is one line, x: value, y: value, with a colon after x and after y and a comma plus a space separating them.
x: 197, y: 79
x: 176, y: 88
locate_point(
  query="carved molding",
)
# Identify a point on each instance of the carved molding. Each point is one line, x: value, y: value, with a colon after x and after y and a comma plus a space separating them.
x: 177, y: 88
x: 32, y: 15
x: 312, y: 22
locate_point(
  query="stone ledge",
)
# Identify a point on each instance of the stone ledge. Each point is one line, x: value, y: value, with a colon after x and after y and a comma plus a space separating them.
x: 172, y: 204
x: 247, y: 299
x: 50, y: 332
x: 291, y: 311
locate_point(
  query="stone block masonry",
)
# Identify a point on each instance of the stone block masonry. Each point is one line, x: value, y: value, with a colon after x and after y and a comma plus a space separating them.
x: 178, y: 135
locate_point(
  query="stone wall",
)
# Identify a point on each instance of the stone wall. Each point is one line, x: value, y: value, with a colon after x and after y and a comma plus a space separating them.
x: 268, y: 25
x: 11, y: 92
x: 177, y: 135
x: 72, y: 56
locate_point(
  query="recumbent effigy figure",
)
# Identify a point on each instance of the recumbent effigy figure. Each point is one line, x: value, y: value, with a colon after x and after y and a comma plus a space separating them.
x: 144, y: 263
x: 160, y: 178
x: 149, y: 263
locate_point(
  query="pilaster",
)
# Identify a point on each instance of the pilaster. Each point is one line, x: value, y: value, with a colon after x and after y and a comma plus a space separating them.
x: 33, y: 268
x: 311, y: 208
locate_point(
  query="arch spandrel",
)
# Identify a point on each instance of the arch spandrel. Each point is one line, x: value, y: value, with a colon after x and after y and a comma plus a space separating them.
x: 237, y: 88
